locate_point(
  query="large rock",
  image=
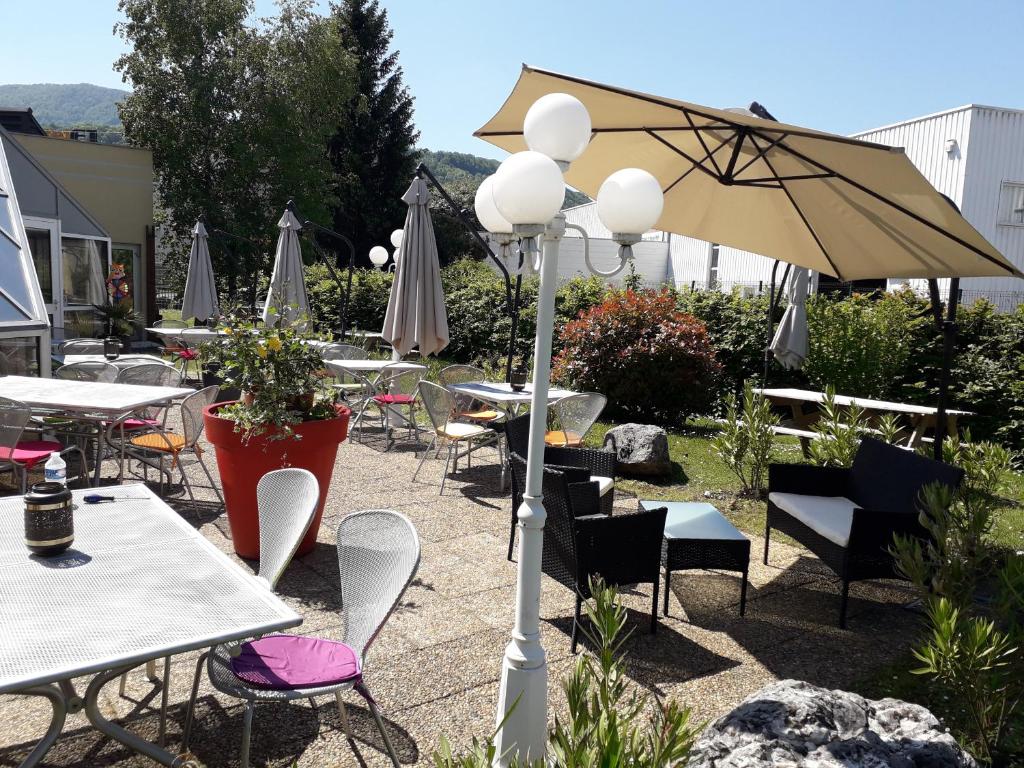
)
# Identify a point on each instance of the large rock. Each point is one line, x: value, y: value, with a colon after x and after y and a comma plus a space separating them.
x: 792, y: 723
x: 641, y: 449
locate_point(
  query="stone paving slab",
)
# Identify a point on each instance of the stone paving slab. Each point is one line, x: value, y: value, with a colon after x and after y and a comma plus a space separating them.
x: 435, y: 666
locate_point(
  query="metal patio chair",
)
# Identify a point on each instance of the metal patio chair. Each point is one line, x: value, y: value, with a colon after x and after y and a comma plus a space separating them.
x: 396, y: 388
x: 440, y: 406
x: 575, y: 414
x: 179, y: 350
x: 378, y: 556
x: 21, y: 456
x: 89, y: 370
x: 153, y: 448
x: 81, y: 347
x: 468, y: 408
x: 349, y: 383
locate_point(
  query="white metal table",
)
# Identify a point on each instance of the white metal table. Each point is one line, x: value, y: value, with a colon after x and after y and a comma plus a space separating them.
x: 502, y: 395
x: 92, y: 401
x: 372, y: 366
x: 192, y: 335
x: 138, y: 584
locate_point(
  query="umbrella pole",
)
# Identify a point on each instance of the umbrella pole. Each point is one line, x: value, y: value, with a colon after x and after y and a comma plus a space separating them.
x: 513, y: 333
x: 773, y: 305
x: 949, y: 334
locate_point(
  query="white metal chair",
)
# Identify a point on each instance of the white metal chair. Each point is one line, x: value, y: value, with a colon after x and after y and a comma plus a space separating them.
x: 576, y: 414
x: 152, y: 448
x: 378, y: 555
x: 81, y: 347
x: 89, y: 370
x: 178, y: 349
x: 468, y: 408
x: 21, y: 456
x: 440, y: 407
x: 396, y: 388
x: 349, y: 383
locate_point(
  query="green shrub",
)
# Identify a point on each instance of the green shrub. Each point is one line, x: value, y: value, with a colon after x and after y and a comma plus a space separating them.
x: 653, y: 362
x: 367, y: 303
x: 839, y: 430
x: 609, y: 723
x: 747, y: 440
x: 859, y: 345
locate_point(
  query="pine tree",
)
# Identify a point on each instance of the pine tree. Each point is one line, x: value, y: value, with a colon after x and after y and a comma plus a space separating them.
x: 373, y: 151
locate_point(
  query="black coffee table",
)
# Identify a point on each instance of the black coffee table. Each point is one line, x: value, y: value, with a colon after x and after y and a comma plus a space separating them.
x: 697, y: 536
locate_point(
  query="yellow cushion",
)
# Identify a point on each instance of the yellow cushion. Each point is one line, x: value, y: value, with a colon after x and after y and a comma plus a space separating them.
x: 482, y: 415
x: 563, y: 439
x: 160, y: 441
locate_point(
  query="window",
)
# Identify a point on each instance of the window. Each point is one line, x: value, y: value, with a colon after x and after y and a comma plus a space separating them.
x: 713, y: 267
x: 1011, y: 204
x: 39, y: 244
x: 85, y: 270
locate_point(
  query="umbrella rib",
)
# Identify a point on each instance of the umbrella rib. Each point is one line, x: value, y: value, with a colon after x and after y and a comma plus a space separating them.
x: 698, y: 164
x: 702, y: 142
x: 881, y: 198
x: 761, y: 153
x: 800, y: 213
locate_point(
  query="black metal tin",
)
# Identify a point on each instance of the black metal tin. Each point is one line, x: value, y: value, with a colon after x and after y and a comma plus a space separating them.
x: 49, y: 525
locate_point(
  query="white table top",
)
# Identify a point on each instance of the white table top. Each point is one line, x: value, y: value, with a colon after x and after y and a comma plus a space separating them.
x: 122, y: 360
x: 810, y: 396
x: 138, y: 583
x: 85, y: 396
x: 372, y: 365
x: 500, y: 393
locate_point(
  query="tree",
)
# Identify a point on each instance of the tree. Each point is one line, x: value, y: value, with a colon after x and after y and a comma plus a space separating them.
x: 373, y: 150
x: 237, y: 117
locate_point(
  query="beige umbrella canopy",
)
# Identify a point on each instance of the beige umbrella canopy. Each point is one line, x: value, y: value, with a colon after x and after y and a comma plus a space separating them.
x: 836, y: 205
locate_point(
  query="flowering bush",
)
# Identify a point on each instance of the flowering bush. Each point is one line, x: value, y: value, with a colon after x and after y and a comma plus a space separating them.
x: 652, y: 361
x: 279, y: 374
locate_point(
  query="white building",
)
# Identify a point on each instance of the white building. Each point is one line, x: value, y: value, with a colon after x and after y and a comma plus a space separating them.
x: 973, y: 154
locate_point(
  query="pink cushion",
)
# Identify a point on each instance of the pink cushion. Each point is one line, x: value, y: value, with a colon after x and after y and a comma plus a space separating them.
x: 394, y: 399
x: 188, y: 354
x: 31, y: 452
x: 295, y: 661
x: 140, y: 423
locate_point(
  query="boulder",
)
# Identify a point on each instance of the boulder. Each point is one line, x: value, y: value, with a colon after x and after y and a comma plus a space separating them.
x: 795, y: 724
x: 640, y: 449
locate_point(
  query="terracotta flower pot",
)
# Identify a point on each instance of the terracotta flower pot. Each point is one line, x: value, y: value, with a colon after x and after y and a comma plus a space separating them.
x: 242, y: 465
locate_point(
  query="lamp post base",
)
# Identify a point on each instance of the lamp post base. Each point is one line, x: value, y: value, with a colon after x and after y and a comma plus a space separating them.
x: 524, y: 689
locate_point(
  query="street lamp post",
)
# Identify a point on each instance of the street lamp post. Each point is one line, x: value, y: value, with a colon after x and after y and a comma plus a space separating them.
x: 526, y: 195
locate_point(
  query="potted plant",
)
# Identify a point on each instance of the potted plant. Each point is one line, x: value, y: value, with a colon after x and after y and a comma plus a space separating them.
x: 287, y: 417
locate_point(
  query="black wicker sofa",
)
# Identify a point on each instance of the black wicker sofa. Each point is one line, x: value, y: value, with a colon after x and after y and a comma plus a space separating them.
x: 847, y: 517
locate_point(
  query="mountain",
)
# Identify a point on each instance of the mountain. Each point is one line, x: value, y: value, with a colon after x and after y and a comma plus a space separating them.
x: 461, y: 174
x: 70, y: 105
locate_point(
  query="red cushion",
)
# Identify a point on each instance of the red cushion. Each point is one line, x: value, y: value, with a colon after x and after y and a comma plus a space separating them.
x: 295, y: 661
x: 31, y: 452
x: 394, y: 399
x: 187, y: 354
x: 140, y: 423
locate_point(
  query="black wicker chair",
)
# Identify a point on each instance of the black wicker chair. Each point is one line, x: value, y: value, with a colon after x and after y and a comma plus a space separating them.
x: 580, y: 541
x: 851, y: 530
x: 579, y: 464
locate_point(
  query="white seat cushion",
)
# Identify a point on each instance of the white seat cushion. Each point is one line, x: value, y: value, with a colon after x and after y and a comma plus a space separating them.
x: 604, y: 484
x: 457, y: 430
x: 829, y: 516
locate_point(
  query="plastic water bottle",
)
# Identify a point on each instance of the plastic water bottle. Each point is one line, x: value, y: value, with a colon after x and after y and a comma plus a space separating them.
x: 56, y: 469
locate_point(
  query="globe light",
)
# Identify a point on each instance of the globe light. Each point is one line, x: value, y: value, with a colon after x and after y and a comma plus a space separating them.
x: 557, y: 125
x: 487, y: 212
x: 528, y: 188
x: 396, y: 237
x: 379, y: 255
x: 630, y: 202
x: 397, y: 254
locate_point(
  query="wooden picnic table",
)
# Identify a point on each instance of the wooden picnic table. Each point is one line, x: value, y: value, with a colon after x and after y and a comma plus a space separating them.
x: 919, y: 418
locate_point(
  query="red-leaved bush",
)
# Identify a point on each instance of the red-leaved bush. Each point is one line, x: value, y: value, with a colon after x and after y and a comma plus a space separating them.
x: 653, y: 362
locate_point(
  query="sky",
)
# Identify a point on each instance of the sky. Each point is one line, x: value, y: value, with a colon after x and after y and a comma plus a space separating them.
x: 835, y: 66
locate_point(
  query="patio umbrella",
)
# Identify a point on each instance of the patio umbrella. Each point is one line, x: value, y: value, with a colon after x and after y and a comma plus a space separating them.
x: 416, y: 315
x: 790, y: 343
x: 836, y: 205
x: 200, y: 299
x: 287, y: 296
x: 848, y: 208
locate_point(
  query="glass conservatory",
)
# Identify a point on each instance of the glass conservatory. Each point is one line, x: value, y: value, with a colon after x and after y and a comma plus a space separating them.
x: 24, y: 322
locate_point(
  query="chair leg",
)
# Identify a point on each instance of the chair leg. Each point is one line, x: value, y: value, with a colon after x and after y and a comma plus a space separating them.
x: 346, y: 726
x: 185, y: 482
x: 743, y: 594
x: 767, y: 536
x: 424, y: 458
x: 668, y: 588
x: 243, y: 757
x: 164, y: 692
x: 192, y: 700
x: 843, y: 600
x: 512, y: 538
x: 444, y: 477
x: 654, y: 604
x: 365, y: 693
x: 209, y: 477
x: 576, y: 623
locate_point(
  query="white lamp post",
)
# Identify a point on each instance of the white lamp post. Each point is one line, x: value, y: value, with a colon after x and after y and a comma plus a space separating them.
x: 523, y: 198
